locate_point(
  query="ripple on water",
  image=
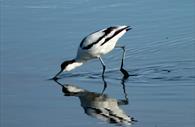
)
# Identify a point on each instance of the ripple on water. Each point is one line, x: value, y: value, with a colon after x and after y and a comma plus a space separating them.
x: 179, y: 71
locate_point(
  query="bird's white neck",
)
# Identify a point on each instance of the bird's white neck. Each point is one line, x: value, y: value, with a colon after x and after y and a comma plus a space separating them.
x: 73, y: 65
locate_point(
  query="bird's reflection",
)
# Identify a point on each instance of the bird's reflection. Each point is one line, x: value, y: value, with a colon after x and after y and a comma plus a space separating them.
x: 100, y: 105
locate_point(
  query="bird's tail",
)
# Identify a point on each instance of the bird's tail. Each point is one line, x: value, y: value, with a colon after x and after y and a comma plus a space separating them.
x: 128, y: 28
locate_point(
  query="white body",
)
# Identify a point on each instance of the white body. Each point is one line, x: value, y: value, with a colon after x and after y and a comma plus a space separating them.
x: 73, y: 65
x: 97, y: 49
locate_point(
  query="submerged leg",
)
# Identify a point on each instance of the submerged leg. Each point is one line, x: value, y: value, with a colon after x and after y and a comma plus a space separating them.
x: 125, y: 73
x: 103, y: 65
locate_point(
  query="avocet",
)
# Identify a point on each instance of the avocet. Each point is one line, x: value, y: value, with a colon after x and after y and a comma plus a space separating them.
x: 94, y: 46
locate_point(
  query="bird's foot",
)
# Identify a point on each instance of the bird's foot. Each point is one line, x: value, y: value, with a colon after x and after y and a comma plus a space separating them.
x: 125, y: 73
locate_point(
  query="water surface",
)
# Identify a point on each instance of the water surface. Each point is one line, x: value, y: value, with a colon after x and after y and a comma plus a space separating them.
x: 36, y: 36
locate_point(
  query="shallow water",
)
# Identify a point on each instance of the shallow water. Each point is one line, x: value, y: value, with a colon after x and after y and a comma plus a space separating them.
x: 36, y: 36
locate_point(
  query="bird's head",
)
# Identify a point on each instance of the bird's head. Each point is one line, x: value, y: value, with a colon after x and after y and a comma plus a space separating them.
x: 68, y: 66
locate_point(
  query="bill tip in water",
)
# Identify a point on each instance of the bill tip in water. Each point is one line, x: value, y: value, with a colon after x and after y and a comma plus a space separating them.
x: 54, y: 78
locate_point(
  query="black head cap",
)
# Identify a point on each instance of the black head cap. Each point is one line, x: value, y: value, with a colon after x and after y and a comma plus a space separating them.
x: 66, y: 63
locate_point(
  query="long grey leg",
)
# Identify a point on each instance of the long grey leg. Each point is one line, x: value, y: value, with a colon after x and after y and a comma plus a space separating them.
x: 125, y: 73
x: 103, y: 65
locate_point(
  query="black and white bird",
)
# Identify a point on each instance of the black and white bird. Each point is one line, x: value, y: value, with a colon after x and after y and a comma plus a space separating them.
x: 94, y: 46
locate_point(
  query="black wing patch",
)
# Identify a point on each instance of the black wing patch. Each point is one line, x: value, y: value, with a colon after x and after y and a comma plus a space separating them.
x: 117, y: 32
x: 109, y: 30
x: 90, y: 45
x: 106, y: 32
x: 82, y: 42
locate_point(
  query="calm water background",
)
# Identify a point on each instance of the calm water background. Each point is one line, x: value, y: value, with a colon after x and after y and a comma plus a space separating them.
x: 37, y: 35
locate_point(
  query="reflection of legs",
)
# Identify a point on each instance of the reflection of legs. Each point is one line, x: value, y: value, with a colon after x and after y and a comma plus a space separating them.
x: 125, y: 73
x: 103, y: 65
x: 126, y: 100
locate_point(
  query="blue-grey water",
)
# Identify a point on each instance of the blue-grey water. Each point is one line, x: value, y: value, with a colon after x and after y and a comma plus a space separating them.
x: 37, y: 35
